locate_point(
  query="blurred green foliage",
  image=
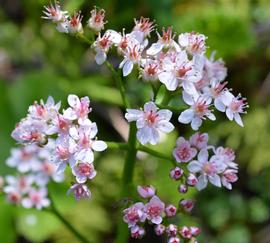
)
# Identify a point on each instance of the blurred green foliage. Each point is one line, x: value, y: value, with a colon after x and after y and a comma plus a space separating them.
x: 37, y: 61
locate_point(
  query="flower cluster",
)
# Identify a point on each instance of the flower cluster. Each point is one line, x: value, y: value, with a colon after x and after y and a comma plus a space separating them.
x: 220, y: 169
x: 155, y: 211
x: 34, y: 171
x: 73, y: 135
x: 176, y: 64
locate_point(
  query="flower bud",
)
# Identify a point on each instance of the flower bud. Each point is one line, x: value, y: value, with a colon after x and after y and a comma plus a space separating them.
x: 160, y: 229
x: 183, y: 188
x: 171, y: 230
x: 170, y: 210
x: 146, y: 191
x: 192, y: 180
x: 176, y: 173
x: 187, y: 204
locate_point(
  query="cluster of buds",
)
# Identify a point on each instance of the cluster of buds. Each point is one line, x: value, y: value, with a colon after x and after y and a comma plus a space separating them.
x: 34, y: 171
x: 73, y: 135
x: 154, y: 211
x: 220, y: 169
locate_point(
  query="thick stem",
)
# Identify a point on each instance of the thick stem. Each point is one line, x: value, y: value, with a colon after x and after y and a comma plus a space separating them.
x: 127, y: 177
x: 78, y: 235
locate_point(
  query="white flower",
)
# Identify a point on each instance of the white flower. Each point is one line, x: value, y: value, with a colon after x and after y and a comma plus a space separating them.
x: 193, y: 42
x: 197, y: 112
x: 96, y: 21
x: 208, y: 169
x: 150, y: 122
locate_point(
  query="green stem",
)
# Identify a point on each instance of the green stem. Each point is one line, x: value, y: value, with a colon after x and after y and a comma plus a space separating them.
x: 54, y: 210
x: 119, y: 80
x: 127, y: 178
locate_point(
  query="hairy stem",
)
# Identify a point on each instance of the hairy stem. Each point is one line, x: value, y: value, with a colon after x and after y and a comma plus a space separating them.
x: 70, y: 227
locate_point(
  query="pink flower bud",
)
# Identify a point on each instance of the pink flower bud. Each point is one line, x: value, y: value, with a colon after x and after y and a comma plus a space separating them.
x: 185, y: 232
x: 137, y: 232
x: 195, y: 231
x: 174, y: 240
x: 170, y: 210
x: 183, y: 188
x: 176, y: 173
x: 171, y: 230
x: 146, y: 191
x: 187, y: 204
x: 192, y: 180
x: 160, y: 229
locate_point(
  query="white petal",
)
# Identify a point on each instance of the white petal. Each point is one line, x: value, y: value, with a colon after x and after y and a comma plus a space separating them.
x: 27, y: 203
x: 227, y: 98
x: 156, y: 220
x: 127, y: 68
x: 211, y: 116
x: 188, y: 98
x: 150, y: 106
x: 219, y: 105
x: 196, y: 123
x: 186, y: 116
x: 115, y: 37
x: 85, y: 155
x: 100, y: 57
x: 194, y: 166
x: 73, y: 100
x: 215, y: 180
x: 70, y: 114
x: 202, y: 182
x: 189, y: 87
x: 229, y: 114
x: 169, y: 80
x: 203, y: 156
x: 165, y: 126
x: 154, y: 49
x: 99, y: 145
x: 238, y: 119
x: 164, y: 114
x: 133, y: 115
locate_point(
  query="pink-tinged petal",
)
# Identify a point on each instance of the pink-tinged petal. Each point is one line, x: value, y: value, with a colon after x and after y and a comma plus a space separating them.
x: 164, y: 114
x: 154, y: 49
x: 219, y: 105
x: 203, y: 156
x: 165, y: 126
x: 157, y: 220
x: 202, y: 182
x: 227, y: 98
x: 180, y: 141
x: 196, y: 123
x: 70, y: 114
x: 73, y: 132
x: 229, y: 114
x: 115, y: 37
x: 27, y: 203
x: 194, y: 166
x: 99, y: 145
x: 215, y: 180
x: 225, y: 183
x: 211, y: 116
x: 193, y: 152
x: 61, y: 168
x: 45, y: 202
x: 127, y: 68
x: 169, y: 80
x: 150, y: 106
x: 81, y: 179
x: 188, y: 98
x: 100, y: 57
x: 73, y: 100
x: 186, y: 116
x: 133, y: 115
x: 238, y: 119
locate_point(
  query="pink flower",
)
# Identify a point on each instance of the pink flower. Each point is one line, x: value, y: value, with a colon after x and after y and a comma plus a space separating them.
x: 146, y: 191
x: 193, y: 42
x: 170, y: 210
x: 150, y: 122
x: 79, y: 108
x: 154, y: 210
x: 144, y: 26
x: 83, y: 171
x: 134, y: 214
x: 80, y: 191
x: 192, y: 180
x: 195, y: 231
x: 165, y: 41
x: 228, y: 177
x: 37, y: 199
x: 199, y: 140
x: 234, y: 106
x: 198, y: 111
x: 75, y: 23
x: 208, y: 169
x: 96, y: 21
x: 183, y: 152
x: 160, y: 229
x: 150, y: 70
x: 137, y: 232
